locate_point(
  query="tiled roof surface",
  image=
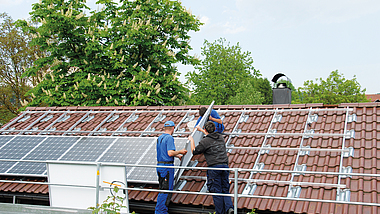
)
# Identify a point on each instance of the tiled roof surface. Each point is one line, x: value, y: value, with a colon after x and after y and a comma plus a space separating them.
x: 23, y: 187
x: 373, y: 97
x: 329, y: 120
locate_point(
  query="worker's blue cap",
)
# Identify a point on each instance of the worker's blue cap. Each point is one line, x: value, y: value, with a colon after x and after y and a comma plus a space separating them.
x: 169, y: 123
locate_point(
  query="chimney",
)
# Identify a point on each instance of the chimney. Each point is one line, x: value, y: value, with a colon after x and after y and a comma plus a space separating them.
x: 281, y: 93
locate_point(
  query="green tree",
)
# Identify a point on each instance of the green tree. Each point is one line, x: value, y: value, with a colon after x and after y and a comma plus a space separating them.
x: 222, y: 71
x: 246, y: 95
x: 263, y: 86
x: 124, y: 54
x: 334, y: 90
x: 15, y: 55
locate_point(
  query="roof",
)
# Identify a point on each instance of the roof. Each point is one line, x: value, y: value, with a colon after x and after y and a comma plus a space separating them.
x: 373, y: 97
x: 325, y: 125
x: 24, y: 187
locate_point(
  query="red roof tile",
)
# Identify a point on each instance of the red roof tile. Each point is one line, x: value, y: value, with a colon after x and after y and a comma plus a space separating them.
x: 22, y: 187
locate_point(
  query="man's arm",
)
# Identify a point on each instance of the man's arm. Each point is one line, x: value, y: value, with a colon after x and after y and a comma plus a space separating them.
x: 214, y: 116
x: 192, y: 144
x: 196, y: 150
x: 201, y: 130
x: 173, y: 153
x: 216, y: 120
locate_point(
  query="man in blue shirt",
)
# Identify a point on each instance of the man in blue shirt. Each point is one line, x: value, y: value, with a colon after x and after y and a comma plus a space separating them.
x: 214, y: 117
x: 165, y: 157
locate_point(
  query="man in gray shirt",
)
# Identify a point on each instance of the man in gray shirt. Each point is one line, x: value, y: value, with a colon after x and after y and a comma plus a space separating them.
x: 214, y: 149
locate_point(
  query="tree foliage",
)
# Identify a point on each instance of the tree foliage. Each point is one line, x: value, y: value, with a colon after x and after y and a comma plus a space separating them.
x: 246, y: 95
x: 15, y: 55
x: 334, y: 90
x: 221, y: 72
x: 253, y: 91
x: 124, y: 54
x: 263, y: 86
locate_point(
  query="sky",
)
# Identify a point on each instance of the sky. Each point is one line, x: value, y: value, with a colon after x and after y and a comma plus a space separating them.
x: 302, y: 39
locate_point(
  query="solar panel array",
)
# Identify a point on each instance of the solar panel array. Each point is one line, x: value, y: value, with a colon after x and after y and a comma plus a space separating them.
x: 129, y: 150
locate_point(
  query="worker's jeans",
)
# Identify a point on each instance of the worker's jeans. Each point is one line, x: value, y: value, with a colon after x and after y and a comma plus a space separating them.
x: 165, y: 180
x: 217, y: 182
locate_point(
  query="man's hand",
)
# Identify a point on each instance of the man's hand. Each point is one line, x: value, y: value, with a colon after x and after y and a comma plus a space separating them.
x: 179, y: 157
x: 173, y: 153
x: 201, y: 130
x: 190, y: 138
x: 183, y: 151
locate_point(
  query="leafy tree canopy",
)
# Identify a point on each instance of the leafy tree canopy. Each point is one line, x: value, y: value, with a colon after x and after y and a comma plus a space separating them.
x: 15, y: 56
x: 263, y: 86
x: 246, y: 95
x: 334, y: 90
x: 221, y: 73
x: 124, y: 54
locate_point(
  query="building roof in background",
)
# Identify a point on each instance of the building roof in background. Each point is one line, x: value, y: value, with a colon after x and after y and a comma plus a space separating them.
x: 287, y: 126
x: 373, y: 97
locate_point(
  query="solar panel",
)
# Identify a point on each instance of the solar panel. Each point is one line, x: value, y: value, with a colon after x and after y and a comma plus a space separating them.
x: 126, y: 150
x: 150, y: 158
x: 88, y: 149
x: 129, y: 150
x: 144, y: 154
x: 4, y: 166
x: 4, y: 140
x: 50, y: 149
x: 17, y: 148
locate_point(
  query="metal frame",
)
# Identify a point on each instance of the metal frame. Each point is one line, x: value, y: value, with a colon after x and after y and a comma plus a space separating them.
x: 125, y: 121
x: 75, y: 124
x: 236, y: 180
x: 264, y: 143
x: 100, y: 124
x: 222, y: 111
x: 342, y: 156
x: 54, y: 122
x: 234, y: 133
x: 146, y: 130
x: 34, y: 122
x: 298, y: 154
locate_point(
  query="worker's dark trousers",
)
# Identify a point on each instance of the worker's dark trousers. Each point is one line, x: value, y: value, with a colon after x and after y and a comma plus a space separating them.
x: 217, y: 182
x: 165, y: 180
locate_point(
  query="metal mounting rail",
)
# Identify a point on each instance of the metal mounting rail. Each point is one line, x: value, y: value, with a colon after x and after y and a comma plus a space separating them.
x: 100, y: 124
x: 146, y: 131
x: 188, y: 133
x: 292, y: 149
x: 185, y: 110
x: 54, y: 122
x: 204, y: 178
x: 125, y: 121
x: 75, y: 124
x: 295, y: 168
x: 235, y: 128
x: 99, y: 112
x: 34, y: 122
x: 263, y: 145
x: 342, y: 155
